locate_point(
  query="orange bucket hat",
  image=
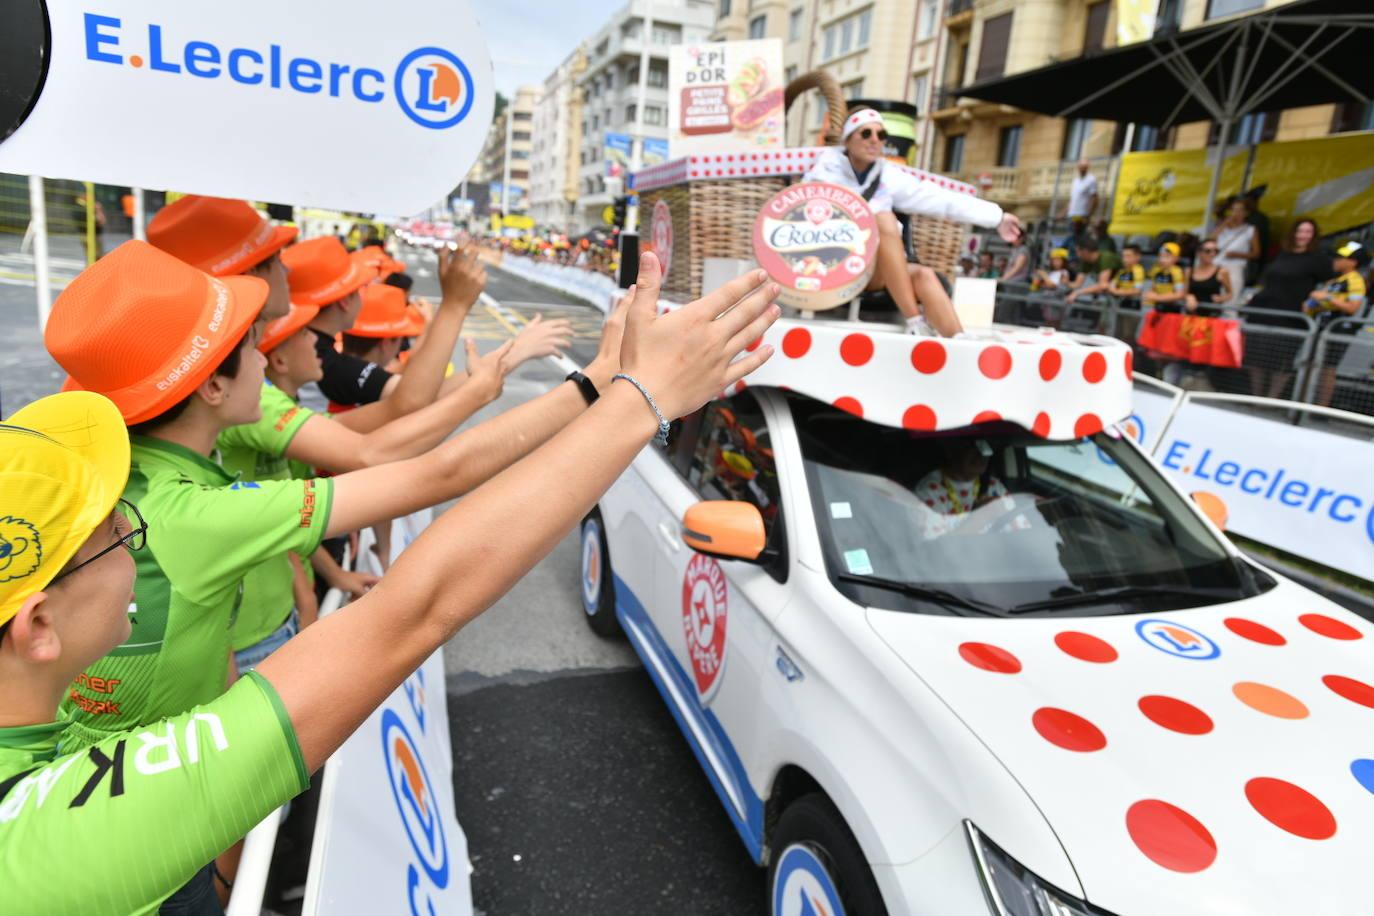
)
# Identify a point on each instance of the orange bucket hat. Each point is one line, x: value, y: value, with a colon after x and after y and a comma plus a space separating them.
x: 144, y: 329
x: 219, y: 236
x: 375, y: 257
x: 385, y: 314
x: 322, y: 272
x: 276, y: 332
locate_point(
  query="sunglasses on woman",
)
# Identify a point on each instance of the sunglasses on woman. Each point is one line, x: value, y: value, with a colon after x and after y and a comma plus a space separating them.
x: 868, y: 133
x: 1209, y: 250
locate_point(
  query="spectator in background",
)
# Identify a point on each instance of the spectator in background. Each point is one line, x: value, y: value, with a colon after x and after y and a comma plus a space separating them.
x: 987, y: 270
x: 1060, y: 276
x: 1018, y: 263
x: 1237, y: 243
x: 1208, y: 284
x: 1104, y: 238
x: 1098, y: 267
x: 1261, y: 223
x: 1129, y: 281
x: 1298, y: 269
x: 1082, y: 197
x: 1167, y: 284
x: 1342, y: 296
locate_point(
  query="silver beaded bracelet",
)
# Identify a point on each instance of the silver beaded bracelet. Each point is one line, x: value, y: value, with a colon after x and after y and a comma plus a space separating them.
x: 663, y: 425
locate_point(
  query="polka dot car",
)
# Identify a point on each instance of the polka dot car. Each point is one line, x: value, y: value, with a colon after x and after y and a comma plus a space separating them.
x: 1068, y: 686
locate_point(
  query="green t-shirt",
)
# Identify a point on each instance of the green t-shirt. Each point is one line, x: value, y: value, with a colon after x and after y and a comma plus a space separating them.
x: 254, y: 452
x: 118, y: 827
x: 205, y: 532
x: 1106, y: 260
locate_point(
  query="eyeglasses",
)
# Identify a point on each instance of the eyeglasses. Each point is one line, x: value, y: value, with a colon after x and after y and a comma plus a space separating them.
x: 133, y: 540
x: 1209, y: 250
x: 868, y: 133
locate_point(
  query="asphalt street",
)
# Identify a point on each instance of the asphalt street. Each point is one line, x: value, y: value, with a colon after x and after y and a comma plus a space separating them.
x: 576, y: 790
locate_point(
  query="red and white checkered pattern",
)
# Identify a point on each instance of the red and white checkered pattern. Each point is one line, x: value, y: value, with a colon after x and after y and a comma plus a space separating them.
x: 757, y: 165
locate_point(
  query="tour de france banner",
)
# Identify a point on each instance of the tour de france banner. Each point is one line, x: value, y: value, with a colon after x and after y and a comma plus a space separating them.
x: 239, y: 100
x: 1168, y: 190
x: 1329, y: 179
x: 725, y: 97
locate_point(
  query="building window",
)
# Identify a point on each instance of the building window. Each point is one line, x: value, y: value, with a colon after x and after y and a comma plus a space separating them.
x: 667, y: 34
x: 1219, y: 8
x: 865, y: 27
x: 790, y: 74
x: 724, y: 8
x: 630, y: 113
x: 520, y: 135
x: 655, y: 116
x: 992, y: 55
x: 1075, y: 138
x: 1009, y: 146
x: 830, y: 37
x: 758, y: 27
x: 954, y: 153
x: 846, y: 35
x: 1252, y: 128
x: 1353, y: 116
x: 919, y: 85
x: 794, y: 25
x: 1095, y: 33
x: 1144, y: 139
x: 926, y: 18
x: 658, y: 76
x: 854, y: 90
x: 596, y: 122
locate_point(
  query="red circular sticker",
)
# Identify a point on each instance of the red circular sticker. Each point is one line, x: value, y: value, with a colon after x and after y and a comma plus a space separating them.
x: 819, y: 242
x: 705, y: 616
x: 661, y: 235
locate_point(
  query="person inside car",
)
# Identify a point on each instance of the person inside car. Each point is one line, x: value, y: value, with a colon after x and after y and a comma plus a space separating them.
x: 960, y: 484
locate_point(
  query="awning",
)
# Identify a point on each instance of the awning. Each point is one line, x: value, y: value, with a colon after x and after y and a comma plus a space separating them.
x: 1309, y: 52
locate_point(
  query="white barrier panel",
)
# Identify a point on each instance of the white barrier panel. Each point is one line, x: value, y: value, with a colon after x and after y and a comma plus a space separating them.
x: 1307, y: 492
x: 587, y: 285
x: 386, y: 839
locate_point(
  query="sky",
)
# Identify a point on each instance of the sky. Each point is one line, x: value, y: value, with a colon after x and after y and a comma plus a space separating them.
x: 529, y: 38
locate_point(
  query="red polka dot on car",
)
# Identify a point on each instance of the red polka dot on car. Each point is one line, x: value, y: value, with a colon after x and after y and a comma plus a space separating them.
x: 989, y: 657
x: 1088, y: 424
x: 995, y: 362
x: 1291, y: 808
x: 1175, y: 715
x: 1255, y: 632
x: 1085, y: 647
x: 851, y: 405
x: 1068, y: 730
x: 1050, y: 363
x: 856, y: 349
x: 1353, y: 690
x: 1095, y: 368
x: 928, y: 357
x: 796, y: 342
x: 987, y: 416
x: 918, y: 416
x: 1041, y: 426
x: 1130, y: 365
x: 1170, y: 837
x: 1329, y: 627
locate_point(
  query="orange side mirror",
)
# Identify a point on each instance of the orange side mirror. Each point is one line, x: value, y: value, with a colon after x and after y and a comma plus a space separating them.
x: 1213, y: 507
x: 731, y: 529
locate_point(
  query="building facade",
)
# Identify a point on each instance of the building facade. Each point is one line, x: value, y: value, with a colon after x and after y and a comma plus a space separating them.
x: 555, y: 163
x: 610, y: 90
x: 491, y: 165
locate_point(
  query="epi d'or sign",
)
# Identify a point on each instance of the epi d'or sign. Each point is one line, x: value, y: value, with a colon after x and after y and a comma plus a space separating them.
x: 317, y: 108
x: 819, y: 242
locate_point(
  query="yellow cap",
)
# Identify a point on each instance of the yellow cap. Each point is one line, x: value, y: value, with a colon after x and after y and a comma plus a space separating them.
x: 1059, y: 253
x: 1171, y: 247
x: 1349, y: 250
x: 64, y: 461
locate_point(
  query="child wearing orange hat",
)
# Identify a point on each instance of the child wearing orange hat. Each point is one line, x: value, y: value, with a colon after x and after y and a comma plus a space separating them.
x: 139, y: 831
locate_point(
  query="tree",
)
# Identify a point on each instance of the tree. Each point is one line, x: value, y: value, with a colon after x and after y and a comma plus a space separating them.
x: 501, y: 103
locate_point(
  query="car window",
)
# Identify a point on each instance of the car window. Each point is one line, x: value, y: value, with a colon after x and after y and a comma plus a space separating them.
x: 732, y: 458
x: 1004, y: 519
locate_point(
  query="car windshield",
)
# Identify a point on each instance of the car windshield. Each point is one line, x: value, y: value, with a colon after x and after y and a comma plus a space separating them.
x: 999, y: 522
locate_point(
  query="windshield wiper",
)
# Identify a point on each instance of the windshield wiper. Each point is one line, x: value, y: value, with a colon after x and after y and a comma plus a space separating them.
x: 925, y: 593
x: 1108, y: 595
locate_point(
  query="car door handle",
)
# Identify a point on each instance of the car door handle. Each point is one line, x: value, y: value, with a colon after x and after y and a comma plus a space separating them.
x: 668, y: 532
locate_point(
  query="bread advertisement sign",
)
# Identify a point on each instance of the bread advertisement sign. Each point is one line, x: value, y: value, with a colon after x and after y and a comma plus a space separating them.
x: 725, y: 97
x: 819, y: 242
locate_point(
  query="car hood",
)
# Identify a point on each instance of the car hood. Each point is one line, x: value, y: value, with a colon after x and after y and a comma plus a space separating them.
x: 1215, y: 760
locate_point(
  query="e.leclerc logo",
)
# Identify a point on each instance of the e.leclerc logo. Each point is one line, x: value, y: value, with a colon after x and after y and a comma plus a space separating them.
x: 432, y: 86
x: 1176, y: 639
x: 414, y: 796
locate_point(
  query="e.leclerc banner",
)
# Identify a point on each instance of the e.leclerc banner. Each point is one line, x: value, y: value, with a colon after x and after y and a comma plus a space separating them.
x: 329, y: 103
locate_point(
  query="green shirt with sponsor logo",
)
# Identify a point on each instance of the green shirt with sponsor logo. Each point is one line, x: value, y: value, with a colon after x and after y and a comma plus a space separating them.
x: 255, y: 452
x: 205, y: 532
x: 119, y: 826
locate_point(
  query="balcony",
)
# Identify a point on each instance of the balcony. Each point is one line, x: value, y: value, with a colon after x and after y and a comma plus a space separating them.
x: 1032, y: 186
x: 959, y: 14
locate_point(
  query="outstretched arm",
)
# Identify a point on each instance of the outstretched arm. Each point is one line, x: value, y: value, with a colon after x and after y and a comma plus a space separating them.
x: 478, y: 549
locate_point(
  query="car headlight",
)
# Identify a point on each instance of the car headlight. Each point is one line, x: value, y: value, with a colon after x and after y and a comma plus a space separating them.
x: 1014, y: 890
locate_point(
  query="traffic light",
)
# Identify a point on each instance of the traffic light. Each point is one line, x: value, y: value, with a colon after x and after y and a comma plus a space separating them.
x: 619, y: 212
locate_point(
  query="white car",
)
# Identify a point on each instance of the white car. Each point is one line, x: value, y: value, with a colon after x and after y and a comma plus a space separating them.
x: 939, y: 667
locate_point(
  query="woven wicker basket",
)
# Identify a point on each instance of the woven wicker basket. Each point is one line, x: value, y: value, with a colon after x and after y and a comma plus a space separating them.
x: 714, y: 218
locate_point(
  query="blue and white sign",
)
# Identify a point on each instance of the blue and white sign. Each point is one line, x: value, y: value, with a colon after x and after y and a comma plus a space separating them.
x: 803, y: 887
x: 1176, y: 639
x: 197, y: 96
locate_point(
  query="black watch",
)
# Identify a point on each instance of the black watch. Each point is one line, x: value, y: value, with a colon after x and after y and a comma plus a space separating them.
x: 585, y: 386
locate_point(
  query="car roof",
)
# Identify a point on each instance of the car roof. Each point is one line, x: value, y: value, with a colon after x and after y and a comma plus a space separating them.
x: 1059, y: 386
